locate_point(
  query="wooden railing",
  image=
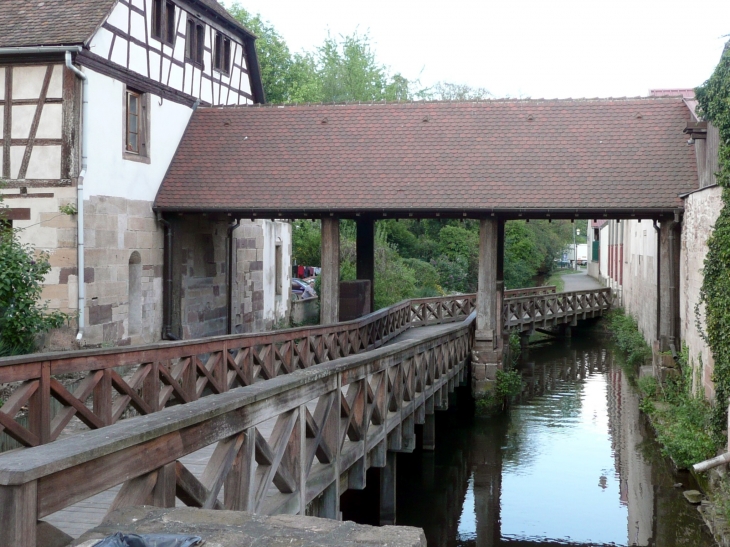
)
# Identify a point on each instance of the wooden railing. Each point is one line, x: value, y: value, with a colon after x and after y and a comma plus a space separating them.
x: 330, y: 423
x: 530, y: 291
x: 553, y: 309
x: 151, y: 377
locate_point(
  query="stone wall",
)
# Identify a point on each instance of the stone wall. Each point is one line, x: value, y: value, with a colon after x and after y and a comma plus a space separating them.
x: 122, y: 237
x: 248, y: 314
x: 258, y: 304
x: 199, y: 276
x: 701, y: 211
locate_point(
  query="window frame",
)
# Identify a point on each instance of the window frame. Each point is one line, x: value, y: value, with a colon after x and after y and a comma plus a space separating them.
x: 162, y: 10
x: 222, y: 53
x: 142, y: 154
x: 195, y: 41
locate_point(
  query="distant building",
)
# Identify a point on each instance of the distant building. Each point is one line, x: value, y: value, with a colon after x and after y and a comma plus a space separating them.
x: 95, y: 96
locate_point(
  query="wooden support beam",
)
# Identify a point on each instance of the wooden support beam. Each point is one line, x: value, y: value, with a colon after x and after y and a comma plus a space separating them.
x: 365, y: 247
x: 429, y: 432
x: 18, y: 515
x: 329, y: 297
x: 388, y: 491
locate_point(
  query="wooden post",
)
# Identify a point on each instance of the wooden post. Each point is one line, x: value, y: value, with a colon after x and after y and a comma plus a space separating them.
x: 487, y: 350
x: 103, y: 397
x: 163, y: 494
x: 387, y: 490
x: 366, y: 254
x: 487, y: 290
x: 330, y: 294
x: 669, y: 288
x: 18, y: 515
x: 39, y: 407
x: 429, y: 432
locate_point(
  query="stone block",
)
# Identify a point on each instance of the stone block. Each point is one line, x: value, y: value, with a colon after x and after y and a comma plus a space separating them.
x: 109, y: 205
x: 142, y: 224
x: 63, y: 258
x: 130, y: 240
x: 107, y: 239
x: 100, y: 314
x: 58, y: 220
x: 139, y: 208
x: 146, y: 240
x: 55, y: 292
x: 66, y: 237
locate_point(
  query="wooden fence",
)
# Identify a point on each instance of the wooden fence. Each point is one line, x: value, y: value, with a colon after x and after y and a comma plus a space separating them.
x: 548, y: 310
x: 159, y: 375
x: 331, y: 422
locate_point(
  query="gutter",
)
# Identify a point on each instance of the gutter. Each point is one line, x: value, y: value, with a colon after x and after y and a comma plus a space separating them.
x: 658, y: 279
x: 229, y: 285
x: 167, y: 291
x: 80, y: 189
x: 35, y: 50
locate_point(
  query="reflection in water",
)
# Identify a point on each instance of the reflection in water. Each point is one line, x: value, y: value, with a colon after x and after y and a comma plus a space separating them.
x: 570, y: 464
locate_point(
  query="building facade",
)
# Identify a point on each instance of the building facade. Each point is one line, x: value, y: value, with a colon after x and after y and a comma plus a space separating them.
x: 90, y: 119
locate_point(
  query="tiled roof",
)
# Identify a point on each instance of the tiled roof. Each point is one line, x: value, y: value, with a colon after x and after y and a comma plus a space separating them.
x: 64, y: 22
x: 448, y: 156
x: 50, y: 22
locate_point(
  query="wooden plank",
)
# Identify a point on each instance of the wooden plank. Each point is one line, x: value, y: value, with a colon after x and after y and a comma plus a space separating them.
x: 17, y: 518
x: 136, y: 491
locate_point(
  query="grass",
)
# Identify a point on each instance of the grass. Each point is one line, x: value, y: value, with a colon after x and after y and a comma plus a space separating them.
x: 556, y: 278
x: 680, y: 417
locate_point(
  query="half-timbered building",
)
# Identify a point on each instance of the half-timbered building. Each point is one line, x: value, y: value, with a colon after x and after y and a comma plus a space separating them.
x: 95, y: 96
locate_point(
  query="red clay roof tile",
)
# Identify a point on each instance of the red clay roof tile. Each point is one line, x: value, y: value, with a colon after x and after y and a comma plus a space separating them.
x: 501, y: 155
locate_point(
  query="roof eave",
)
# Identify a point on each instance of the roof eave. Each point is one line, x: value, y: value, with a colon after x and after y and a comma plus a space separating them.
x: 382, y: 213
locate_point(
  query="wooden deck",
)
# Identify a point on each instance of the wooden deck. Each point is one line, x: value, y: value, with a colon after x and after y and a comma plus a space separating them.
x: 82, y: 516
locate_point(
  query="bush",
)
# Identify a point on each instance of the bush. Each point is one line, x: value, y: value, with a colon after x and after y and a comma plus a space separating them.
x: 627, y: 336
x: 22, y: 318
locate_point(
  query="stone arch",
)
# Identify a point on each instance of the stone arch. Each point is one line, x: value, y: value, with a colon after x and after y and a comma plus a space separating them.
x: 135, y: 293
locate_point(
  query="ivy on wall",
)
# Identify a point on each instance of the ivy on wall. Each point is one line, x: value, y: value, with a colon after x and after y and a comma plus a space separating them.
x: 714, y: 106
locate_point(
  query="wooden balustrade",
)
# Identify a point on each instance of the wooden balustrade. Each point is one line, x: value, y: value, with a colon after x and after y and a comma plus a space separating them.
x: 553, y: 309
x: 149, y: 378
x: 331, y: 422
x: 530, y: 291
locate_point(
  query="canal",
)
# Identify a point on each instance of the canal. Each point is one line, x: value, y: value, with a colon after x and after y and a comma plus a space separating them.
x: 572, y: 462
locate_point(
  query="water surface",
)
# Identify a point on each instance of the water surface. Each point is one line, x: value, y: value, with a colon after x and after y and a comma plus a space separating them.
x: 572, y: 463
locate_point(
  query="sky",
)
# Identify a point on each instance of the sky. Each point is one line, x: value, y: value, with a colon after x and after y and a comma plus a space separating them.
x: 528, y: 48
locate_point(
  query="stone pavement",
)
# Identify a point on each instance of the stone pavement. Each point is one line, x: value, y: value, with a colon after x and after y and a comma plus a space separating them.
x: 580, y: 282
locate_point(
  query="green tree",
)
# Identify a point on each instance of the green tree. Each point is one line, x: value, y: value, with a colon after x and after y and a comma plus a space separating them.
x: 286, y: 77
x: 445, y: 91
x: 306, y: 242
x: 349, y: 71
x: 22, y: 316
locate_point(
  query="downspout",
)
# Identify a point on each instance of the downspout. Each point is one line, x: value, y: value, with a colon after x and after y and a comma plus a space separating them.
x: 167, y: 291
x: 80, y: 193
x: 672, y: 289
x: 658, y: 279
x: 229, y: 284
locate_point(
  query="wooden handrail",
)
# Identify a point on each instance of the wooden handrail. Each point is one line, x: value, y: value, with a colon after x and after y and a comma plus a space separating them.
x: 333, y: 420
x: 157, y: 375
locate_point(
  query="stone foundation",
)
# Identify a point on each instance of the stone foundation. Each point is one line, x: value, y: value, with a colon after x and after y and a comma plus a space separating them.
x: 237, y: 528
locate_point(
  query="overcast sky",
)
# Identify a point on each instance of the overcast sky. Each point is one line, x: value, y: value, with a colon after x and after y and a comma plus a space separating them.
x: 528, y: 48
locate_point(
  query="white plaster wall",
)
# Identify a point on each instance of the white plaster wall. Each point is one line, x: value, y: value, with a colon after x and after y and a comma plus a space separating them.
x: 701, y: 211
x: 109, y: 174
x: 639, y: 287
x: 276, y: 307
x: 133, y: 24
x: 603, y: 259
